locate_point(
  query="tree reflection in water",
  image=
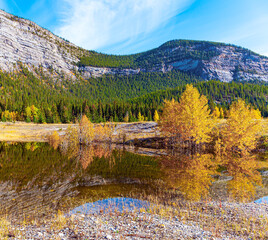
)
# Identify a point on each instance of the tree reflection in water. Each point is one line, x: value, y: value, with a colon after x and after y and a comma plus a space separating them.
x: 245, y: 176
x: 193, y: 174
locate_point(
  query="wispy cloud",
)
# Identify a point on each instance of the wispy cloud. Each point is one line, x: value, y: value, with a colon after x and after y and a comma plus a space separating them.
x: 94, y: 24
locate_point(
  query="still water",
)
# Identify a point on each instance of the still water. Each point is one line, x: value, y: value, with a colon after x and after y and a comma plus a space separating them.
x: 37, y: 180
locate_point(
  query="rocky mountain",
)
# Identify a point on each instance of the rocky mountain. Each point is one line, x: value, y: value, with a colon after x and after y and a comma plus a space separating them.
x: 22, y: 41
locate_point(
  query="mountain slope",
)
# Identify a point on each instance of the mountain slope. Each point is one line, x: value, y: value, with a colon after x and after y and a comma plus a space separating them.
x: 208, y: 60
x: 25, y: 42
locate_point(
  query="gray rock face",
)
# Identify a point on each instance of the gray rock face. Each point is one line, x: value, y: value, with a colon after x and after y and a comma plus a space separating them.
x: 88, y: 71
x: 24, y: 41
x: 230, y: 63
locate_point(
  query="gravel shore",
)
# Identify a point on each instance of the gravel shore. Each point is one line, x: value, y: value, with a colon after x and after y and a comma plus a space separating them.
x: 149, y: 225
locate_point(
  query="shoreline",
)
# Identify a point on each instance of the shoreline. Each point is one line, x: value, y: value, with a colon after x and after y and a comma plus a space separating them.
x: 34, y: 132
x: 178, y: 220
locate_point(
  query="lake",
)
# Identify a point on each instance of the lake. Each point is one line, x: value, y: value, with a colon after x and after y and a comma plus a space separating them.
x: 38, y: 180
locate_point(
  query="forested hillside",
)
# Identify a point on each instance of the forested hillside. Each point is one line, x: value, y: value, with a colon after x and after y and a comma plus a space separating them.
x: 186, y: 49
x: 27, y: 97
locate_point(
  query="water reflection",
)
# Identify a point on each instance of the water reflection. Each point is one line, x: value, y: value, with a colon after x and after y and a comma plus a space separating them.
x: 191, y: 174
x: 245, y: 177
x: 36, y: 179
x: 111, y: 205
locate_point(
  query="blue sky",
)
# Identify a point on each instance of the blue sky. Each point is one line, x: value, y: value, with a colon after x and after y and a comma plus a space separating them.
x: 129, y: 26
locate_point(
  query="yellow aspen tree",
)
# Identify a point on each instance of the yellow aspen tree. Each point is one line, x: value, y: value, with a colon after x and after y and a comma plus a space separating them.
x: 216, y: 113
x: 140, y: 117
x: 236, y: 140
x: 221, y: 113
x: 242, y: 129
x: 194, y: 119
x: 28, y: 114
x: 87, y: 132
x: 156, y: 116
x: 168, y: 123
x: 256, y: 113
x: 54, y: 140
x: 70, y: 143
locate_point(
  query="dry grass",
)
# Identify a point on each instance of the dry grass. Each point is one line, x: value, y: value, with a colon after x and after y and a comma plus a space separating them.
x: 29, y: 132
x: 4, y: 228
x: 26, y: 132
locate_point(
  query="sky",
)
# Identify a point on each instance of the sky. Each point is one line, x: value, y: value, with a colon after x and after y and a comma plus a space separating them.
x: 131, y: 26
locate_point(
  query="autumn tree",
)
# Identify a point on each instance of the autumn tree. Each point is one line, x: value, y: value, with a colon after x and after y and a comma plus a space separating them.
x: 140, y: 117
x: 86, y: 133
x: 54, y: 140
x: 169, y: 124
x: 156, y: 116
x: 245, y: 176
x: 237, y: 138
x: 216, y: 113
x: 242, y: 128
x: 189, y: 119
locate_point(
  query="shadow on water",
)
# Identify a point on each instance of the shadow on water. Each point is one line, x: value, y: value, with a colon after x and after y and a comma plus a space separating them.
x: 37, y: 180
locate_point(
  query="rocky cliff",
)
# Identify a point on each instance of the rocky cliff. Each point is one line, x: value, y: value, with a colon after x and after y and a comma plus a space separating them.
x: 24, y: 41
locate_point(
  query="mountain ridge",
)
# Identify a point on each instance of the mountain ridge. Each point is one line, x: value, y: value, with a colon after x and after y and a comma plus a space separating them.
x: 23, y: 41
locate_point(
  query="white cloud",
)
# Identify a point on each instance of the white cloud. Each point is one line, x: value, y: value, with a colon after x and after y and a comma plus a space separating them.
x: 94, y: 24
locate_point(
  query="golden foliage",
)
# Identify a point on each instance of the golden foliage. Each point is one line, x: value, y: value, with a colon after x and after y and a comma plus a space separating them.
x: 140, y: 117
x: 9, y: 116
x: 191, y: 174
x: 245, y: 176
x: 54, y: 140
x: 86, y: 156
x: 190, y: 118
x: 216, y: 113
x: 156, y: 116
x: 70, y: 142
x: 242, y: 128
x: 168, y: 123
x: 237, y: 138
x: 105, y: 131
x: 87, y: 132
